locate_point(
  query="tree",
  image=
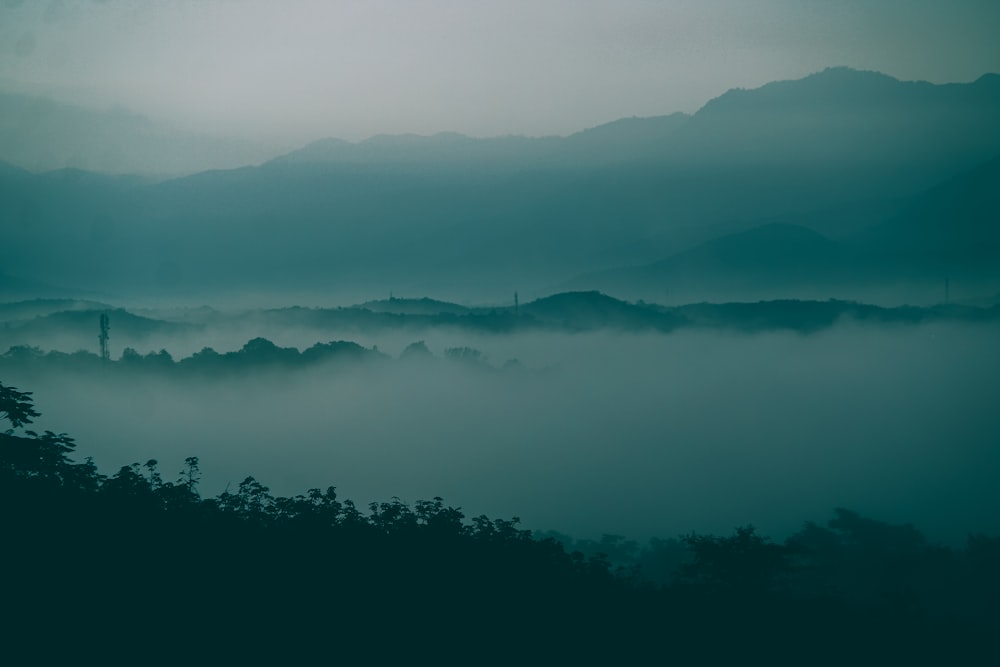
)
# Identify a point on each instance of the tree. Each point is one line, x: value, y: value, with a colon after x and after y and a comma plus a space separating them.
x: 438, y: 517
x: 252, y: 501
x: 129, y: 483
x: 191, y: 475
x: 35, y: 455
x: 745, y: 561
x: 16, y: 407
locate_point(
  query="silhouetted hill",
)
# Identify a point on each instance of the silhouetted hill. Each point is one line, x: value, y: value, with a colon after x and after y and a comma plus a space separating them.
x: 125, y: 323
x: 593, y: 310
x: 421, y: 306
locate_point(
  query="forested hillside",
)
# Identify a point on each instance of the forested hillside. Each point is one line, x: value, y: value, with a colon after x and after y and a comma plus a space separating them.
x: 133, y: 564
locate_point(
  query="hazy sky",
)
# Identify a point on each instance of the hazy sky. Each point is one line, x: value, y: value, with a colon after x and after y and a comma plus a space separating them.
x: 292, y: 71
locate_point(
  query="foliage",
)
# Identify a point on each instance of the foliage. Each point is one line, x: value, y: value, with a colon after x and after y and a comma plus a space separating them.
x: 247, y: 572
x: 16, y: 406
x: 745, y: 561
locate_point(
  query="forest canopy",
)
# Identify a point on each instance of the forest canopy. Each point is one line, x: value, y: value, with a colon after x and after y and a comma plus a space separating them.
x: 130, y: 552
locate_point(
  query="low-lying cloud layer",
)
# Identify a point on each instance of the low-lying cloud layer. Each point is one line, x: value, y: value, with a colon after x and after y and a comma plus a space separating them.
x: 642, y: 435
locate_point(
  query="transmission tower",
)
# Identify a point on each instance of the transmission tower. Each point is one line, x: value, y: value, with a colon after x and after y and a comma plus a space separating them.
x: 103, y: 337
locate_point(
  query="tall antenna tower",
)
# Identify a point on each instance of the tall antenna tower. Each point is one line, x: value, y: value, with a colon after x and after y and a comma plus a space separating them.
x: 103, y: 337
x: 517, y: 306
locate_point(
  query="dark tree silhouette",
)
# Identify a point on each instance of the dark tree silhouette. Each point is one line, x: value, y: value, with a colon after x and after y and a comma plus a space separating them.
x: 247, y: 572
x: 745, y: 561
x: 16, y: 406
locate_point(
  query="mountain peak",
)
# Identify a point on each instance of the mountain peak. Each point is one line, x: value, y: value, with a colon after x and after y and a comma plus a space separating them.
x: 990, y: 79
x: 845, y: 73
x: 831, y: 85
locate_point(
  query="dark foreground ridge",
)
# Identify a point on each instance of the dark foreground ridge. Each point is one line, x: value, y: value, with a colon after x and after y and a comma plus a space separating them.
x: 133, y: 568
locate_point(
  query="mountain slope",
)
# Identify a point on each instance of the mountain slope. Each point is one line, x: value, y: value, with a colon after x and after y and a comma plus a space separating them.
x: 844, y: 115
x: 621, y: 140
x: 952, y: 229
x: 469, y: 219
x: 774, y: 258
x: 954, y: 226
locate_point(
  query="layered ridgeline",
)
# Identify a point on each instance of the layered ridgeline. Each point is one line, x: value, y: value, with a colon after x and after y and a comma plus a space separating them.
x: 948, y: 235
x: 855, y: 177
x: 67, y: 328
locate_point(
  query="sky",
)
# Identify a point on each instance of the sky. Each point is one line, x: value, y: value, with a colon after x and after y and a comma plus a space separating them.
x: 293, y: 71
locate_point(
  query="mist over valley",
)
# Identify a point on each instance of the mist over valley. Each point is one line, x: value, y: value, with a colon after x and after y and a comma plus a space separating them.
x: 812, y: 331
x: 715, y: 370
x: 591, y: 425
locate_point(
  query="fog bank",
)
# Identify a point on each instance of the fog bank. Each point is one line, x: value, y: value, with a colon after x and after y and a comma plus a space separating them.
x: 641, y: 435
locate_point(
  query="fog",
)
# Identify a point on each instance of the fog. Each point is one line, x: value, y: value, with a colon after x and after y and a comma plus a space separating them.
x: 640, y: 435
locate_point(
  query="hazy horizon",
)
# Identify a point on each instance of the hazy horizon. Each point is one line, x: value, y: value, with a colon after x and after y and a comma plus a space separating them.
x: 308, y: 70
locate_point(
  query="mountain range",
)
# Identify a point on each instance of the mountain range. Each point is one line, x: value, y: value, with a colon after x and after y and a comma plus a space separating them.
x: 950, y: 232
x: 844, y: 183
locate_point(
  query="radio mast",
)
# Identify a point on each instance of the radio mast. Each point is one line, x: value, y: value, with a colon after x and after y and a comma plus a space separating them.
x: 103, y: 337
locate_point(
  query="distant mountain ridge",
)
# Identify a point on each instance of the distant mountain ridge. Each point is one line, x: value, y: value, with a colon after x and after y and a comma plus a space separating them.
x: 759, y: 259
x: 950, y: 230
x: 834, y: 153
x: 623, y: 139
x: 421, y: 306
x: 952, y: 226
x: 73, y: 325
x: 844, y: 114
x: 836, y: 114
